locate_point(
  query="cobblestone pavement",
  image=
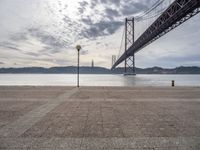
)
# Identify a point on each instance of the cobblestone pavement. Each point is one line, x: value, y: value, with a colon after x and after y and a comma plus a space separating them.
x: 100, y: 118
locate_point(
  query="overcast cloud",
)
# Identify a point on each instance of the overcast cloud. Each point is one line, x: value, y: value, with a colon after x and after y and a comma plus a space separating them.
x: 45, y: 32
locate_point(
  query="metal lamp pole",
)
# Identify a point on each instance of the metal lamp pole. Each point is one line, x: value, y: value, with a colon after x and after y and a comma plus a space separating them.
x: 78, y: 47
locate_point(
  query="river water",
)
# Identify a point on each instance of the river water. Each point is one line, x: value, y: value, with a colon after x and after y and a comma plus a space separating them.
x: 98, y: 80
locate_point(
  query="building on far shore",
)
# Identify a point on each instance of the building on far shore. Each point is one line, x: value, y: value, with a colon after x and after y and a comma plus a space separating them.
x: 92, y: 64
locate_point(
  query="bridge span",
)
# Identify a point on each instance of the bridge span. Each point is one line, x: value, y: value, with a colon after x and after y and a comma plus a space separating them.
x: 176, y: 14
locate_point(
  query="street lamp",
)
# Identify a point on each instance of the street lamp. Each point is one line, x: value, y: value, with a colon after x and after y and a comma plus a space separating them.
x: 78, y: 47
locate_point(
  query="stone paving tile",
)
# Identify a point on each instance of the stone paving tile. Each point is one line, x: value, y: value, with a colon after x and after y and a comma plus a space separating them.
x: 18, y: 107
x: 30, y: 94
x: 44, y: 143
x: 69, y: 143
x: 96, y: 143
x: 16, y: 143
x: 166, y: 148
x: 25, y: 122
x: 93, y: 130
x: 112, y: 131
x: 88, y: 94
x: 66, y: 108
x: 142, y: 143
x: 12, y: 110
x: 148, y: 94
x: 56, y: 127
x: 101, y: 143
x: 74, y: 130
x: 40, y: 127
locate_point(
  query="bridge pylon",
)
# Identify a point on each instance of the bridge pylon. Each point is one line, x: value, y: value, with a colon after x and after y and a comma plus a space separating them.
x: 129, y: 68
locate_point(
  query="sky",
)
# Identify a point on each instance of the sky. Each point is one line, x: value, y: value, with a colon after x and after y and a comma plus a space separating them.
x: 44, y: 33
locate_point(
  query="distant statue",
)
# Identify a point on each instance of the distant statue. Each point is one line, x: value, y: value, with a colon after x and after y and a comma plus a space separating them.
x: 92, y: 64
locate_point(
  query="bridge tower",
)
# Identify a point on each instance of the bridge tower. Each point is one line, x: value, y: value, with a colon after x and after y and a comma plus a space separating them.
x: 129, y: 68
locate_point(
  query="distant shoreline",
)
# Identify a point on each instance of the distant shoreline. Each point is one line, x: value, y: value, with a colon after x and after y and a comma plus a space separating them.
x: 98, y: 74
x: 98, y: 70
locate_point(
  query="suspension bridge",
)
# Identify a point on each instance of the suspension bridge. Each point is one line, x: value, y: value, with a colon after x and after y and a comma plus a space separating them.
x: 160, y: 19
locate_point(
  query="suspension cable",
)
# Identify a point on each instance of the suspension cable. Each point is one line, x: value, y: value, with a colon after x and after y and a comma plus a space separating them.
x: 152, y: 16
x: 158, y: 3
x: 121, y: 43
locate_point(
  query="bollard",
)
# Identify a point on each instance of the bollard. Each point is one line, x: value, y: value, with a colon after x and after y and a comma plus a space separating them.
x: 173, y: 83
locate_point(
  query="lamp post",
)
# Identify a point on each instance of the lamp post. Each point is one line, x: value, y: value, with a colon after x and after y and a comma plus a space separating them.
x: 78, y: 47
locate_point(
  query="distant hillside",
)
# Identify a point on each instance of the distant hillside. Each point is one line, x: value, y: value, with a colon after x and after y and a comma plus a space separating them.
x: 57, y: 70
x: 159, y: 70
x: 100, y: 70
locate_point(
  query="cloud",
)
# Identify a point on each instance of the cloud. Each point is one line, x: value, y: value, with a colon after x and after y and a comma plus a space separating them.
x: 83, y: 6
x: 93, y: 4
x: 169, y: 61
x: 9, y: 45
x: 5, y: 43
x: 32, y: 54
x: 101, y: 28
x: 19, y: 37
x: 108, y: 21
x: 66, y: 19
x: 114, y: 2
x: 112, y: 12
x: 84, y: 52
x: 84, y: 3
x: 52, y: 43
x: 87, y: 20
x: 132, y: 7
x: 2, y: 63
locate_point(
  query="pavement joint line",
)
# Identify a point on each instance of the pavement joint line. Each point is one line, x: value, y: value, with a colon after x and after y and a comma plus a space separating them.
x: 26, y: 99
x: 67, y: 95
x: 26, y: 121
x: 135, y: 100
x: 154, y: 100
x: 116, y: 143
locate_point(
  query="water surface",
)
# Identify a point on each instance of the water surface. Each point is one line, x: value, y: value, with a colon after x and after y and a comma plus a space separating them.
x: 98, y: 80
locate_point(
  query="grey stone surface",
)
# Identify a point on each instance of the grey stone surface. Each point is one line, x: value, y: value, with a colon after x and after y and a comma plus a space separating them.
x: 100, y: 118
x: 26, y: 121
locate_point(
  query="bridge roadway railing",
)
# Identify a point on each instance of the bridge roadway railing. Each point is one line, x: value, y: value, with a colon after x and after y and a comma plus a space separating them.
x: 176, y: 14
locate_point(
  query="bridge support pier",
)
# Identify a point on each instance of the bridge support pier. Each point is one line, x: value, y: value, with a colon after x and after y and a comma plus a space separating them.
x: 129, y: 68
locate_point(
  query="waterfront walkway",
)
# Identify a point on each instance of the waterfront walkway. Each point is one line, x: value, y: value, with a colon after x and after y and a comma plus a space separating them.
x: 100, y: 118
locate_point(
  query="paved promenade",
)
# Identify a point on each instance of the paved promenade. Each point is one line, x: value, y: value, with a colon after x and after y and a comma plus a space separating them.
x: 99, y: 118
